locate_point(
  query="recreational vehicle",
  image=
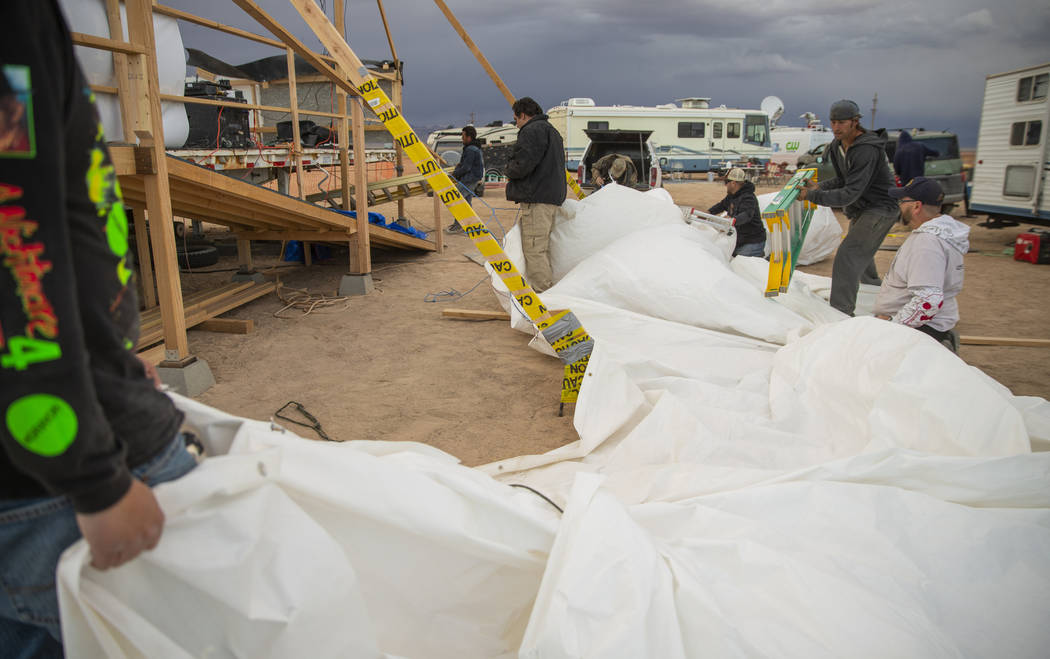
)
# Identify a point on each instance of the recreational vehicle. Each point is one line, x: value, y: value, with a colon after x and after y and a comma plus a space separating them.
x: 693, y: 137
x: 448, y: 142
x: 1010, y: 173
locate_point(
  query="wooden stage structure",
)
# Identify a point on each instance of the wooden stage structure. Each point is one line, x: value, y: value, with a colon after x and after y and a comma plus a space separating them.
x: 159, y: 186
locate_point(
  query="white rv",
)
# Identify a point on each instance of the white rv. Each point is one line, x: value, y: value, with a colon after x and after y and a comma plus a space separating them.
x: 790, y: 142
x: 692, y: 138
x: 1010, y: 173
x: 448, y: 142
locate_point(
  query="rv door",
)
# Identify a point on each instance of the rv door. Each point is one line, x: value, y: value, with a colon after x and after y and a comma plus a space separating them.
x: 718, y: 135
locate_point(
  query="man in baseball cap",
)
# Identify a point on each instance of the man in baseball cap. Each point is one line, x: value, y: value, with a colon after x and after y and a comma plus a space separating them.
x: 927, y: 272
x: 741, y: 203
x: 861, y: 188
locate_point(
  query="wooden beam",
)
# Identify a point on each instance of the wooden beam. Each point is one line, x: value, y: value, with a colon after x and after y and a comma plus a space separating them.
x: 227, y: 325
x: 154, y: 355
x: 120, y: 69
x: 473, y: 314
x: 361, y: 254
x: 297, y: 142
x: 288, y: 38
x: 389, y: 39
x: 292, y: 234
x: 458, y: 27
x: 149, y: 292
x: 102, y: 43
x: 158, y: 199
x: 1003, y: 341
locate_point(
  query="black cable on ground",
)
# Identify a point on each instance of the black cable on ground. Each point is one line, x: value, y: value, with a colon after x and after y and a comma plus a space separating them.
x: 314, y: 424
x: 539, y: 494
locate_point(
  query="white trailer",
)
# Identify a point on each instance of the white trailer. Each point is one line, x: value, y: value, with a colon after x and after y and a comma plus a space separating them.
x: 1010, y: 174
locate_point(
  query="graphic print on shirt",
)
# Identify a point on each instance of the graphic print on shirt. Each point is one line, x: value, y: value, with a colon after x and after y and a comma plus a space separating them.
x: 17, y: 133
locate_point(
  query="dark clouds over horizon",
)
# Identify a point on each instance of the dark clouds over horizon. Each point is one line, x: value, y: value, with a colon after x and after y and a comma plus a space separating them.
x: 927, y: 60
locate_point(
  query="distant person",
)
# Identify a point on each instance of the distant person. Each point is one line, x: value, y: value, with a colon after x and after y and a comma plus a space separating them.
x: 469, y: 171
x: 927, y: 272
x: 909, y: 160
x: 614, y: 167
x: 86, y: 432
x: 742, y: 204
x: 861, y: 188
x: 536, y: 179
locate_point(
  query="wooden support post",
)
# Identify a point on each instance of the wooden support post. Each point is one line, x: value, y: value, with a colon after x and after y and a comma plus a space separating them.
x: 361, y: 255
x: 244, y: 255
x: 149, y: 293
x: 124, y: 91
x: 344, y: 150
x: 293, y: 100
x: 399, y: 153
x: 150, y: 131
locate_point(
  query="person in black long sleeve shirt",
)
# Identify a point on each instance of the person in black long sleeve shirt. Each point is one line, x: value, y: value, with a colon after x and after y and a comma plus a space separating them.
x: 742, y: 204
x: 85, y: 429
x: 861, y: 188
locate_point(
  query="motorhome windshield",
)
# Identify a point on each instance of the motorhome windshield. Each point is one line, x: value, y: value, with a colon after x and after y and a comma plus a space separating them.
x: 756, y: 129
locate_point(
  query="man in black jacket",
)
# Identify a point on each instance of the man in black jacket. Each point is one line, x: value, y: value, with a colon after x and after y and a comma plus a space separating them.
x: 85, y: 432
x: 861, y: 188
x: 909, y: 160
x: 742, y: 204
x: 468, y: 171
x: 536, y: 179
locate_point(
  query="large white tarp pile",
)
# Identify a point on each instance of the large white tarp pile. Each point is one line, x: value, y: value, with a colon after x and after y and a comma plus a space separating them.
x: 753, y: 477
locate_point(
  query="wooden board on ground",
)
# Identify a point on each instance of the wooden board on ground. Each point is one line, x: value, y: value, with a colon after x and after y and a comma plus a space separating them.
x: 474, y: 314
x: 204, y: 306
x: 227, y: 325
x: 1003, y: 341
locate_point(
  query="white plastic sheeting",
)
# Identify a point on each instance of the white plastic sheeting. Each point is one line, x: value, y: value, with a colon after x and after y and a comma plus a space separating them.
x: 89, y: 17
x: 859, y: 491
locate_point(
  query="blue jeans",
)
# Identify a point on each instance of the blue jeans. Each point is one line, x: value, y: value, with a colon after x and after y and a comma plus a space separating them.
x: 751, y: 249
x: 33, y: 535
x: 466, y: 189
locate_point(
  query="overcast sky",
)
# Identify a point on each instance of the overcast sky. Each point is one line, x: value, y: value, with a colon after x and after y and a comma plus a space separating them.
x: 926, y: 59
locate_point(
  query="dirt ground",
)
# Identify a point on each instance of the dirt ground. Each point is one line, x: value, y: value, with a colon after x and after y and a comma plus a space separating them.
x: 387, y: 366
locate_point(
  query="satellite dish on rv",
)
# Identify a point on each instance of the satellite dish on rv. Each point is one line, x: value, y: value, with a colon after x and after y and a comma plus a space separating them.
x: 772, y: 106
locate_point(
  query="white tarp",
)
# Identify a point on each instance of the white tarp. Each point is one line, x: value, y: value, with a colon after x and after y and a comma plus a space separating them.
x: 856, y: 492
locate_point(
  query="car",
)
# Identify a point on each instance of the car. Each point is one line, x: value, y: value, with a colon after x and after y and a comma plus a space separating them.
x: 946, y: 166
x: 636, y: 144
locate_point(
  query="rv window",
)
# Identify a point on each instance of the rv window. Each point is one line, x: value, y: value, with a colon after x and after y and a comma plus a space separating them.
x: 690, y: 129
x: 733, y: 131
x: 755, y: 129
x: 597, y: 125
x: 716, y: 130
x: 1032, y: 88
x: 1020, y: 179
x: 1026, y: 133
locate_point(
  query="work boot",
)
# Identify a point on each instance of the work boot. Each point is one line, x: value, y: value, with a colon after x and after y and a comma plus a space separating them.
x: 454, y: 229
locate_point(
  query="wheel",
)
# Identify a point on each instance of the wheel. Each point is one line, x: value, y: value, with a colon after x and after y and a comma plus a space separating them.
x: 198, y: 257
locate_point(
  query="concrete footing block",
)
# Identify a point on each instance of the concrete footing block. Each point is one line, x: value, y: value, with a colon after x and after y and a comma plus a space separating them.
x: 356, y: 285
x: 190, y: 380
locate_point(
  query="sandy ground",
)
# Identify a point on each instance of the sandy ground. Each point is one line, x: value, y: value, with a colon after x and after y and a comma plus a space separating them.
x: 387, y: 366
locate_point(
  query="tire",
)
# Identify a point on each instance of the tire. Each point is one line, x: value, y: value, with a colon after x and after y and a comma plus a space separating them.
x: 198, y: 257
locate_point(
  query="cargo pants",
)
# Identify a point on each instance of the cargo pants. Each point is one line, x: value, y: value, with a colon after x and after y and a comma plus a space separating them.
x: 537, y: 221
x: 855, y: 258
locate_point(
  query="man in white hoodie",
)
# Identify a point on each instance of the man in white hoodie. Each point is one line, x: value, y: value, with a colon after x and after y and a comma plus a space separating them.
x: 927, y: 272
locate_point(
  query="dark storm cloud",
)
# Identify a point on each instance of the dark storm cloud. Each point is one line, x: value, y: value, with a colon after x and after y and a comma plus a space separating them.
x: 926, y: 59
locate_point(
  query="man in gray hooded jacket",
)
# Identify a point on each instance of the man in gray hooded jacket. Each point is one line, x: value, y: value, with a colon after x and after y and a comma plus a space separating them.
x: 861, y: 188
x: 927, y: 272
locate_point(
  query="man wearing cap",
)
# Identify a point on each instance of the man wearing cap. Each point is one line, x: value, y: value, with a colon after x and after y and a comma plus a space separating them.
x: 927, y: 273
x: 861, y: 188
x: 742, y: 204
x: 614, y: 167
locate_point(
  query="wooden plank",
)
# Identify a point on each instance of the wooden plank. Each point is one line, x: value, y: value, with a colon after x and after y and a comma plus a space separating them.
x: 154, y: 355
x: 314, y: 236
x: 158, y: 200
x: 149, y: 292
x: 288, y: 38
x: 227, y: 325
x: 1003, y: 341
x: 208, y: 308
x: 297, y: 141
x: 458, y: 27
x: 102, y: 43
x: 361, y: 253
x: 120, y: 69
x: 474, y: 314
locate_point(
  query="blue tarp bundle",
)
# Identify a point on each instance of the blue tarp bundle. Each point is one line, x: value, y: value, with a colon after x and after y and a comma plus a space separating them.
x: 379, y: 220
